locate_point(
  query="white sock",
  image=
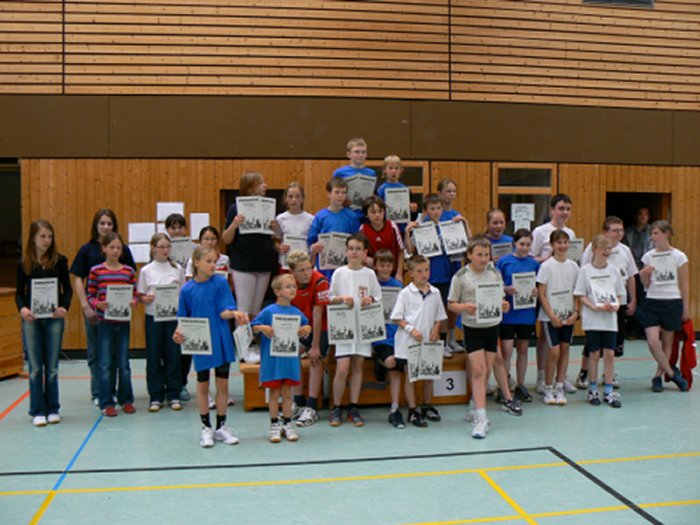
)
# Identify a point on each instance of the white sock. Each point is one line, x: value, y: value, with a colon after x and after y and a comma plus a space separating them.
x: 394, y: 407
x: 480, y: 413
x: 540, y: 375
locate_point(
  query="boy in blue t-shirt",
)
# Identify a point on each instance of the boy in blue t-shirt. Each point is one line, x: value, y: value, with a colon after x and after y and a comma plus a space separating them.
x: 356, y: 152
x: 384, y: 262
x: 280, y: 374
x: 335, y: 218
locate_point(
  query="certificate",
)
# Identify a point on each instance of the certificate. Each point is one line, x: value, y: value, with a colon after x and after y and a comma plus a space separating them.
x: 44, y: 297
x: 602, y: 290
x: 665, y: 271
x: 197, y: 337
x: 370, y: 320
x: 425, y: 360
x: 454, y: 237
x: 295, y: 243
x: 181, y: 249
x: 258, y: 211
x: 524, y: 284
x: 501, y: 249
x: 575, y: 249
x: 398, y: 204
x: 243, y: 337
x: 389, y: 296
x: 165, y: 302
x: 333, y: 254
x: 119, y: 297
x: 426, y: 239
x: 341, y: 324
x: 285, y: 339
x: 562, y: 304
x: 489, y: 302
x: 359, y: 188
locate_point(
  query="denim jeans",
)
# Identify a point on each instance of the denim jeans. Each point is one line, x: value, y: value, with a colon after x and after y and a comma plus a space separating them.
x: 91, y: 350
x: 43, y: 339
x: 113, y: 350
x: 162, y: 361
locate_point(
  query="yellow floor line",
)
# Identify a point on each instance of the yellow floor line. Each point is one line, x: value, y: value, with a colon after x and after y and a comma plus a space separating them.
x: 45, y: 505
x: 517, y: 508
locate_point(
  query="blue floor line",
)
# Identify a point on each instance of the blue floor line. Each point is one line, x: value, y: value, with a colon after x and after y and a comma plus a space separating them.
x: 77, y: 453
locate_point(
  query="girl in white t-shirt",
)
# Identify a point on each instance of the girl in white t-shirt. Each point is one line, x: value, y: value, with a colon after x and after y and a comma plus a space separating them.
x: 558, y: 313
x: 665, y: 277
x: 599, y: 288
x: 294, y: 222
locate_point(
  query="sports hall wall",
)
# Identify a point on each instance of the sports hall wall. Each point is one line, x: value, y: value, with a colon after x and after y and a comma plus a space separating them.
x: 125, y: 103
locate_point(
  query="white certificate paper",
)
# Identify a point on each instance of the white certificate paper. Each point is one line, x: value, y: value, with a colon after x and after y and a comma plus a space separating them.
x: 163, y: 209
x: 243, y: 337
x: 398, y: 204
x: 119, y: 297
x: 522, y: 212
x: 258, y: 211
x: 524, y: 284
x: 665, y: 271
x: 44, y: 294
x: 575, y: 249
x: 165, y: 302
x: 333, y: 254
x: 359, y: 188
x: 197, y: 336
x: 285, y: 341
x: 141, y: 231
x: 602, y: 290
x: 489, y: 302
x: 341, y: 324
x: 562, y: 304
x: 295, y: 243
x: 389, y: 296
x: 197, y: 222
x: 426, y: 239
x: 371, y: 323
x: 181, y: 250
x: 425, y: 361
x: 501, y: 249
x: 454, y: 237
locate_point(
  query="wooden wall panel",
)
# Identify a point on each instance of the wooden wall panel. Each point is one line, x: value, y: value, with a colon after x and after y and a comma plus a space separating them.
x: 473, y: 181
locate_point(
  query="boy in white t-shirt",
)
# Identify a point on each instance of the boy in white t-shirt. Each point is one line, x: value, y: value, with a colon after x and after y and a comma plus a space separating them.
x: 356, y: 286
x: 560, y: 212
x: 418, y: 312
x: 558, y: 313
x: 599, y: 288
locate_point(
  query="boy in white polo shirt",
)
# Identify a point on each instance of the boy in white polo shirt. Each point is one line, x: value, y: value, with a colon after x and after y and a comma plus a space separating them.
x: 418, y: 312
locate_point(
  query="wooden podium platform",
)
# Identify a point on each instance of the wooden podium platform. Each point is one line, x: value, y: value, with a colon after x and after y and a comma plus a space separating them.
x: 11, y: 356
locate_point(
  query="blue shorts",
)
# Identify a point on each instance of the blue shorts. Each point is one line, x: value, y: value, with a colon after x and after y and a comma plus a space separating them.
x: 666, y: 313
x: 556, y: 336
x: 600, y: 340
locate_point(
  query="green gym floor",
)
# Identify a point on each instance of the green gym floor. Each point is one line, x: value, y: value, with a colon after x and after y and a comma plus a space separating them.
x: 570, y: 465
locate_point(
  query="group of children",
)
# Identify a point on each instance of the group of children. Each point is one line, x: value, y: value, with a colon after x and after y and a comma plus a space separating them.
x: 441, y: 288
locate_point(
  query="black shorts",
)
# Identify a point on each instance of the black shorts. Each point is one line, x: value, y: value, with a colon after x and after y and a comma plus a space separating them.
x: 444, y: 289
x: 600, y: 340
x: 384, y: 352
x: 517, y: 331
x: 221, y: 372
x: 481, y: 339
x: 323, y: 343
x: 555, y: 336
x: 666, y: 313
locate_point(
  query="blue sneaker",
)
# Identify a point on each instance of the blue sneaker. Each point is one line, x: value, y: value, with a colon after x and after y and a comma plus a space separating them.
x: 679, y: 380
x: 657, y: 385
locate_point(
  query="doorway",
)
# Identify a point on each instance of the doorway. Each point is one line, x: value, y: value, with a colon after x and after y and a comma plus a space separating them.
x: 626, y: 204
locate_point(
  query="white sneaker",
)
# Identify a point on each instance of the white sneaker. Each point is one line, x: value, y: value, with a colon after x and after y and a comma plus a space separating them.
x: 296, y: 411
x: 175, y: 404
x: 569, y: 387
x: 54, y: 419
x: 549, y: 398
x: 615, y: 381
x: 307, y: 417
x: 481, y: 428
x: 39, y: 421
x: 539, y: 387
x: 154, y: 406
x: 455, y: 346
x: 447, y: 352
x: 212, y: 403
x: 559, y: 397
x: 275, y: 433
x: 289, y: 432
x: 207, y: 438
x: 226, y: 436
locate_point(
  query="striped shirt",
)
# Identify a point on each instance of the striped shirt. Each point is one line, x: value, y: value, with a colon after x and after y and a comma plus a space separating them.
x: 101, y: 277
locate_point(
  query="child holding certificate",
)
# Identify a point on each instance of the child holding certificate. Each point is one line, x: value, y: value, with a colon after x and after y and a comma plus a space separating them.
x: 158, y: 288
x: 113, y: 330
x: 281, y: 326
x: 208, y: 296
x: 666, y: 277
x: 558, y: 313
x: 599, y: 287
x: 476, y: 292
x: 43, y: 297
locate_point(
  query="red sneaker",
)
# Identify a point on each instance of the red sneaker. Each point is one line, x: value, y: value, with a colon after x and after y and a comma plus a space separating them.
x: 110, y: 412
x: 129, y: 408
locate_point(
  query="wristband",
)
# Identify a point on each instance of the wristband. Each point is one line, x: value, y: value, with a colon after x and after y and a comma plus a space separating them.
x: 409, y: 328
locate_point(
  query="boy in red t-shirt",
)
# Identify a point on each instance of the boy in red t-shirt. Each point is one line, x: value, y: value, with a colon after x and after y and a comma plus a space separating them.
x: 311, y: 299
x: 382, y: 234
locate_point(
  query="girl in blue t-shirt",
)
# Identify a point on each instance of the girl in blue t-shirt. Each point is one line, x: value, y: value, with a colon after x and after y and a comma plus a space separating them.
x: 280, y: 373
x: 208, y: 296
x: 495, y: 228
x: 518, y: 323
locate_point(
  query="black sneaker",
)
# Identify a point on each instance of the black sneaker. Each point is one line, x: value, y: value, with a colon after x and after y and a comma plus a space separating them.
x: 379, y: 371
x: 430, y: 413
x: 513, y: 407
x: 416, y: 419
x: 522, y: 394
x: 396, y: 419
x: 498, y: 398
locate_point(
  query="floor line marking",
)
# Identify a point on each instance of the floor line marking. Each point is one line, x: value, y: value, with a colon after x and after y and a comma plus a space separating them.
x: 607, y: 488
x: 77, y: 453
x: 45, y: 505
x: 501, y: 492
x: 14, y: 405
x: 639, y: 458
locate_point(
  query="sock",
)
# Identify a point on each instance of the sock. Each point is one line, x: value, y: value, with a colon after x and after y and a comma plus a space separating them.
x: 480, y: 413
x: 593, y: 386
x: 220, y: 421
x: 274, y: 420
x: 540, y: 375
x: 608, y: 388
x: 285, y: 420
x: 300, y: 401
x: 548, y: 388
x: 312, y: 402
x: 451, y: 335
x: 205, y: 420
x: 559, y: 386
x: 394, y: 407
x: 353, y: 406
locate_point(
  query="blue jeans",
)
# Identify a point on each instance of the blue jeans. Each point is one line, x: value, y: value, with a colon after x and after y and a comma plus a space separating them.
x: 113, y: 350
x: 91, y: 351
x: 43, y: 339
x: 162, y: 361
